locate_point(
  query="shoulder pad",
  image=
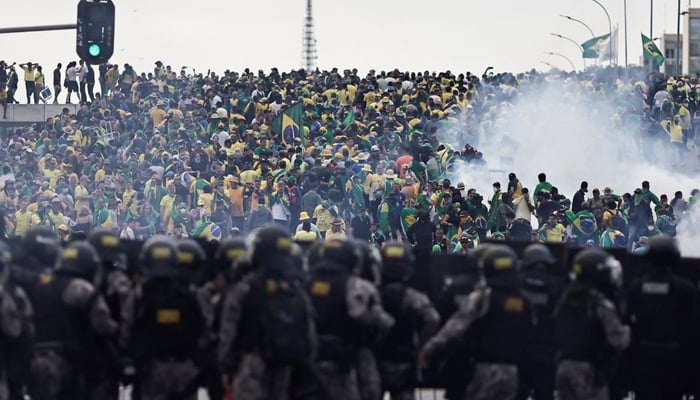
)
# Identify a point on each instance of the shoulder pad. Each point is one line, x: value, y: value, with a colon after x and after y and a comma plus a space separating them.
x: 78, y: 292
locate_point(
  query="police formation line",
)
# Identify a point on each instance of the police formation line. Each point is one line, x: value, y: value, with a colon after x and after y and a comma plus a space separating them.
x: 264, y: 319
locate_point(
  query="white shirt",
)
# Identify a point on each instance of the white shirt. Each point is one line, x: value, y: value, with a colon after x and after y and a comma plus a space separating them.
x: 82, y: 72
x: 71, y: 74
x: 127, y: 233
x: 521, y: 208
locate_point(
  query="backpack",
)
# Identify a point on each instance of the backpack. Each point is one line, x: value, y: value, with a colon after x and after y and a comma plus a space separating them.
x: 284, y: 320
x: 618, y: 222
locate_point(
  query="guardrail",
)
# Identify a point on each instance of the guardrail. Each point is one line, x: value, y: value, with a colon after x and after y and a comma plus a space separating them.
x: 31, y: 113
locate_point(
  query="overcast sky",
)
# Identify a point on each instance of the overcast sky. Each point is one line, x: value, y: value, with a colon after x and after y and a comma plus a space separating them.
x: 460, y: 35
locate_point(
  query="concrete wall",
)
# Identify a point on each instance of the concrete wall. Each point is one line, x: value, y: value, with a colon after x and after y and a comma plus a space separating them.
x: 30, y: 113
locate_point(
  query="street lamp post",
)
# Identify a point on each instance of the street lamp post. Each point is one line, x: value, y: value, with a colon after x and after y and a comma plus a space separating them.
x: 551, y: 53
x: 678, y: 39
x: 578, y: 46
x: 580, y: 22
x: 609, y: 29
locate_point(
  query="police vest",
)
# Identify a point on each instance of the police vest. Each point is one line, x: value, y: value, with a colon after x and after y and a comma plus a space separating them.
x: 337, y: 334
x: 501, y: 335
x: 578, y: 332
x: 662, y: 317
x: 168, y: 322
x: 58, y: 323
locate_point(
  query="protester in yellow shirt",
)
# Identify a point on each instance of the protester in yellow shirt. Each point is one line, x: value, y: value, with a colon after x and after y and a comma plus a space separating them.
x: 553, y: 231
x: 166, y: 207
x: 24, y: 219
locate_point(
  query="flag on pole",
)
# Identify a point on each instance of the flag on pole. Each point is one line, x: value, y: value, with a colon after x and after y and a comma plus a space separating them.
x: 349, y: 120
x: 607, y: 51
x: 592, y: 47
x: 289, y: 124
x: 651, y: 52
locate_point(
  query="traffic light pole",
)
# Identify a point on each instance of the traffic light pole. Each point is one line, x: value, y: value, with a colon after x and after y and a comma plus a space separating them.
x: 39, y: 28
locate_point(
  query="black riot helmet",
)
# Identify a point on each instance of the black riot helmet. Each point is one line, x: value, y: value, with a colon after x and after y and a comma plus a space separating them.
x: 397, y: 262
x: 41, y: 245
x: 593, y: 266
x: 107, y: 245
x: 80, y: 258
x: 191, y: 260
x: 159, y: 257
x: 341, y: 252
x: 371, y: 268
x: 228, y: 252
x: 500, y: 266
x: 663, y: 251
x: 269, y: 247
x: 537, y: 255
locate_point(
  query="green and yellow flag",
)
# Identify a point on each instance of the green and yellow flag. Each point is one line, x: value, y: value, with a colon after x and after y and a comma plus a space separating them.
x: 651, y: 52
x: 289, y: 124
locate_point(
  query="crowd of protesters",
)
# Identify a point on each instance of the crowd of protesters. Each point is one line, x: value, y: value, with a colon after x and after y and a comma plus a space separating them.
x: 191, y: 154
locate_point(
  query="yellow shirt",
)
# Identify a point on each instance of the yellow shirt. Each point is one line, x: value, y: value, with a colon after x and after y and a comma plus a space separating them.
x: 236, y: 196
x: 28, y: 74
x: 24, y: 221
x: 166, y: 207
x: 555, y: 234
x: 81, y: 191
x: 53, y: 175
x: 158, y: 116
x: 206, y: 199
x: 126, y: 199
x: 323, y: 218
x: 56, y: 219
x: 674, y: 131
x: 39, y: 78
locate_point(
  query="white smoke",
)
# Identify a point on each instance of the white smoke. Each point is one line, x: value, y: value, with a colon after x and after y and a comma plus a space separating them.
x: 566, y: 130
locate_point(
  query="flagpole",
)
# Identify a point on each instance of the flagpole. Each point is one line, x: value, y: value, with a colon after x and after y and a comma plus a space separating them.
x: 625, y: 5
x: 678, y: 40
x: 651, y: 31
x: 609, y: 29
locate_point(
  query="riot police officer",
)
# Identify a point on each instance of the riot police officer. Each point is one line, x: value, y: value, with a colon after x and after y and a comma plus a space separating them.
x: 166, y: 327
x: 495, y: 319
x: 416, y: 321
x: 348, y: 315
x: 662, y: 311
x: 588, y: 330
x: 71, y: 320
x: 542, y: 287
x: 116, y: 288
x: 368, y: 378
x: 267, y: 330
x: 15, y: 323
x: 39, y: 250
x: 192, y: 262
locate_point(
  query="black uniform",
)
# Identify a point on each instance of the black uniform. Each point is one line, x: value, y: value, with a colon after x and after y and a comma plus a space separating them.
x: 538, y: 368
x: 662, y: 309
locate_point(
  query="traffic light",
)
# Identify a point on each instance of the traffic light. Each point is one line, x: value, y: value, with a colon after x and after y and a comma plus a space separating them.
x: 95, y: 37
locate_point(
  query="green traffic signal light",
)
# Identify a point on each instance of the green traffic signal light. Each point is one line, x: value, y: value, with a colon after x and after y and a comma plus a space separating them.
x: 94, y: 50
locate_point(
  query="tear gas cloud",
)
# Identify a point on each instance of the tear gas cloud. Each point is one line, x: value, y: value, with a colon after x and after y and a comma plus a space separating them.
x: 572, y: 134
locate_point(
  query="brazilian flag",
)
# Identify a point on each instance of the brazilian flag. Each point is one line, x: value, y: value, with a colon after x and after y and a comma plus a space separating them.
x: 651, y: 52
x: 409, y: 215
x: 207, y: 230
x: 289, y: 124
x: 613, y: 239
